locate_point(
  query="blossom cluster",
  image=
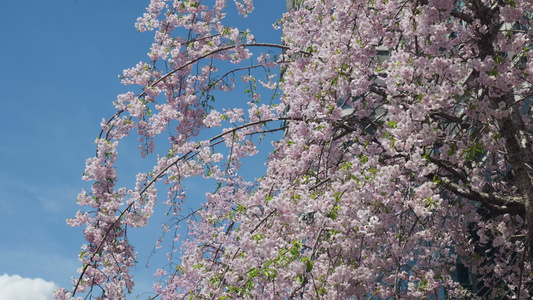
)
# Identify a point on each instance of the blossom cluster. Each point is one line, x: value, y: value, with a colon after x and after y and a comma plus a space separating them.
x: 405, y: 151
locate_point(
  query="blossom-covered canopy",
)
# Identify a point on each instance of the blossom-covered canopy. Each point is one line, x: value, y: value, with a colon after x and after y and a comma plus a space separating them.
x: 404, y: 150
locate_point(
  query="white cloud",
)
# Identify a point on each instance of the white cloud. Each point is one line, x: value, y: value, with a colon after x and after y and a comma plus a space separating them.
x: 15, y: 287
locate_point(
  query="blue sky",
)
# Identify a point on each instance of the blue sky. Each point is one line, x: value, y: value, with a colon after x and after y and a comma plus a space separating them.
x: 60, y: 60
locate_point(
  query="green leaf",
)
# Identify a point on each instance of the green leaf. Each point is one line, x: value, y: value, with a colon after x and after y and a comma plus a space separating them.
x: 309, y: 266
x: 258, y: 237
x: 321, y: 291
x: 299, y: 278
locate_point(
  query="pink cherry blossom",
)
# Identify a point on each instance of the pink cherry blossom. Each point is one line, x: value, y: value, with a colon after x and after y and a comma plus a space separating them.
x: 401, y: 150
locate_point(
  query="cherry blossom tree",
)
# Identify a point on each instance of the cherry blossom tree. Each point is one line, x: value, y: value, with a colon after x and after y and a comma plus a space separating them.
x: 403, y: 149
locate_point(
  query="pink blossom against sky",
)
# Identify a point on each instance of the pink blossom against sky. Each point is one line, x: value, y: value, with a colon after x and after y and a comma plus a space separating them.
x: 60, y: 61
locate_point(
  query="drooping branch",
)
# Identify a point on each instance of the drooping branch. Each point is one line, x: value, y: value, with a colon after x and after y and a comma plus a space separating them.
x: 196, y: 60
x: 227, y: 48
x: 213, y: 141
x: 189, y: 155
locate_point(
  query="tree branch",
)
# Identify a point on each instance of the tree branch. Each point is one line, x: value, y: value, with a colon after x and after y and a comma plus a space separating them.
x: 495, y: 203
